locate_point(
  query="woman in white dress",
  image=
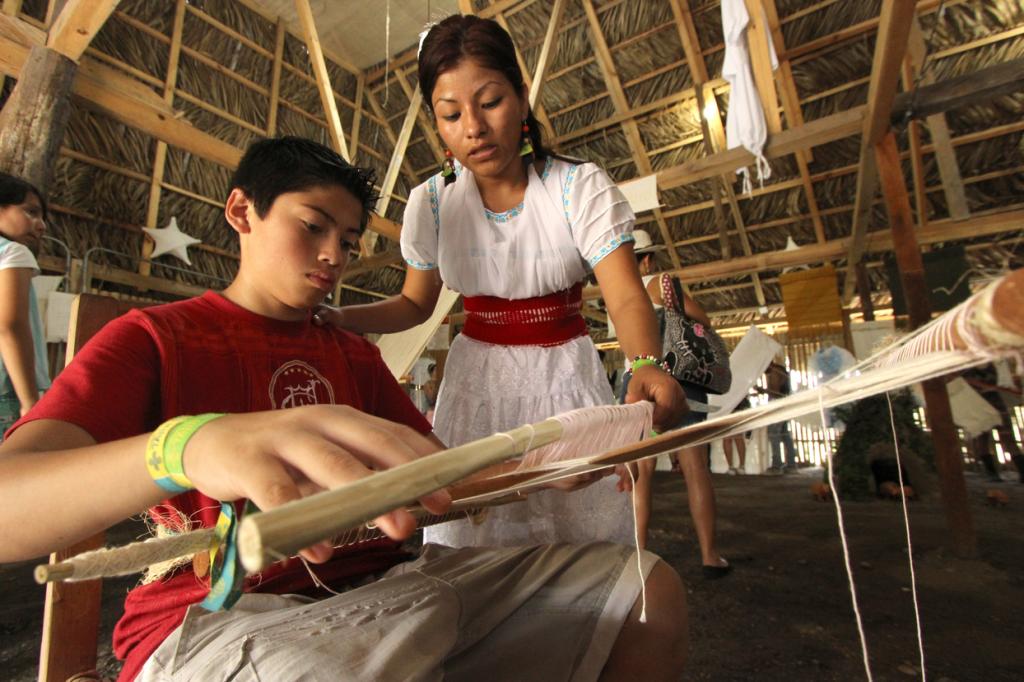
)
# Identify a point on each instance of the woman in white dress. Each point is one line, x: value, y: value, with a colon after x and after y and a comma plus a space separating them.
x: 514, y: 229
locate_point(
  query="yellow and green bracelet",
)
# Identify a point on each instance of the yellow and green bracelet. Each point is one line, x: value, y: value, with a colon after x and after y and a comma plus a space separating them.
x: 165, y: 449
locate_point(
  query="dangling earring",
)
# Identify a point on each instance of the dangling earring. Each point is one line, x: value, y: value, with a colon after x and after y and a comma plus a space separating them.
x: 448, y: 168
x: 526, y: 146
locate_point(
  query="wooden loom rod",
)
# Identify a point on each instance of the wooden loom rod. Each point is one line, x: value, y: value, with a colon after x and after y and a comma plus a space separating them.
x: 268, y: 536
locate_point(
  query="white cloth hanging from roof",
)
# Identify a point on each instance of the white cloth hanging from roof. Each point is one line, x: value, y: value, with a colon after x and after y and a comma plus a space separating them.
x: 745, y: 124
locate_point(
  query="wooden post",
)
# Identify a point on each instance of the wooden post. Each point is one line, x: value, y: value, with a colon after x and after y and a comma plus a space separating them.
x: 915, y: 290
x: 33, y: 120
x: 864, y: 291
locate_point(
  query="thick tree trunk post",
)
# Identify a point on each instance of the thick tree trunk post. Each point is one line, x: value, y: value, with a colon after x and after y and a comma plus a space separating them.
x: 33, y: 120
x: 940, y: 420
x: 867, y: 307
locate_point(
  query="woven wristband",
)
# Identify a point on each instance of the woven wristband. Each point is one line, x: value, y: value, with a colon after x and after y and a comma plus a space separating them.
x: 166, y: 447
x: 644, y: 360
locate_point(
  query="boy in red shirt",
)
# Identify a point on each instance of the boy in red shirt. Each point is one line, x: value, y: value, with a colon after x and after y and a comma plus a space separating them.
x: 251, y: 351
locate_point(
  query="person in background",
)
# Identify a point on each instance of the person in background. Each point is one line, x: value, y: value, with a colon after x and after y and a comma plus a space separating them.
x: 693, y: 461
x: 23, y: 372
x: 737, y: 442
x: 779, y: 436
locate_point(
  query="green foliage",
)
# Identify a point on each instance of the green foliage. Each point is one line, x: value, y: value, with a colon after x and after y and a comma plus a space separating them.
x: 867, y: 424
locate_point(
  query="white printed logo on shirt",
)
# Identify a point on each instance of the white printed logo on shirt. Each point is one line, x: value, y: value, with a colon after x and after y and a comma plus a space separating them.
x: 295, y: 384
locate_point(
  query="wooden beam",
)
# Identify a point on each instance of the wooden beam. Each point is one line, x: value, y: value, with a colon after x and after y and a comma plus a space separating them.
x: 546, y: 51
x: 949, y: 171
x: 426, y: 125
x: 946, y: 230
x: 948, y: 460
x: 160, y: 157
x: 389, y: 133
x: 760, y: 60
x: 629, y: 126
x: 323, y: 78
x: 374, y: 262
x: 357, y: 117
x: 275, y: 78
x: 794, y: 115
x: 12, y: 7
x: 890, y: 47
x: 76, y: 25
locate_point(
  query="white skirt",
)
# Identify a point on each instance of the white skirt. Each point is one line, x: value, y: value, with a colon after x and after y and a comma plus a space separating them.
x: 489, y: 388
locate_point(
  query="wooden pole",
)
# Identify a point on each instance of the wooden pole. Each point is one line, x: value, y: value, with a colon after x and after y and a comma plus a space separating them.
x: 915, y: 290
x: 33, y: 120
x: 864, y: 290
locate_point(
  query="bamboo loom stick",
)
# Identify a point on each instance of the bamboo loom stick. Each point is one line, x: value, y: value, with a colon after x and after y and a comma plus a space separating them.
x: 266, y: 537
x: 138, y: 556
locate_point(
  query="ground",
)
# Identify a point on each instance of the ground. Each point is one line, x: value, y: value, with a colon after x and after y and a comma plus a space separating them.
x: 785, y: 611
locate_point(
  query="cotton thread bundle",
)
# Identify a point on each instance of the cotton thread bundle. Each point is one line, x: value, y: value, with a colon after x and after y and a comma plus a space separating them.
x: 593, y: 429
x: 133, y: 558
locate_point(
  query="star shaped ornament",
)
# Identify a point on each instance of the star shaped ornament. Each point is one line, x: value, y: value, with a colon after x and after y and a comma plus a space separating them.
x: 171, y: 240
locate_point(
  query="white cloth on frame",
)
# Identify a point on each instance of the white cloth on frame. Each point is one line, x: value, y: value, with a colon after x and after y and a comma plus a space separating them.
x: 748, y: 361
x: 971, y: 412
x: 572, y: 216
x: 745, y: 123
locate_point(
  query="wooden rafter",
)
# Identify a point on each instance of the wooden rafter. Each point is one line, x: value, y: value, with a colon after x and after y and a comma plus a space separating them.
x: 357, y: 117
x: 794, y: 115
x: 323, y: 78
x: 629, y: 127
x: 890, y: 48
x: 77, y: 24
x: 949, y: 171
x: 946, y: 230
x: 714, y: 135
x: 160, y: 157
x: 426, y: 125
x: 761, y: 65
x: 547, y: 51
x: 382, y: 121
x: 275, y: 78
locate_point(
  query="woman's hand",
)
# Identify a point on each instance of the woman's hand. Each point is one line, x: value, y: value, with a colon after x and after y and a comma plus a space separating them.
x: 655, y: 384
x: 324, y: 315
x: 279, y: 456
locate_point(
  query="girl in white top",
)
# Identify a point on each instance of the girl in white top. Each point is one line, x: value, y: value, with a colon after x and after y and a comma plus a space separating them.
x: 23, y: 363
x: 502, y: 227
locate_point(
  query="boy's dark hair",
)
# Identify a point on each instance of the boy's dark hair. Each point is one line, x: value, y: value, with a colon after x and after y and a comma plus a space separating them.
x: 280, y: 165
x: 14, y: 191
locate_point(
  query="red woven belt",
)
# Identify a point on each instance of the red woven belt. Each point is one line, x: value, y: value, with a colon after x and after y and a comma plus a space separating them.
x: 541, y: 321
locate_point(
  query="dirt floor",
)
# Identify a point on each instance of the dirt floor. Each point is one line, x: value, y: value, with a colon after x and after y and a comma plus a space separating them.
x: 785, y: 612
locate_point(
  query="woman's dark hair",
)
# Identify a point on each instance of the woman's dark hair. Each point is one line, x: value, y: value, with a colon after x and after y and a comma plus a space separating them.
x: 488, y: 44
x: 14, y: 191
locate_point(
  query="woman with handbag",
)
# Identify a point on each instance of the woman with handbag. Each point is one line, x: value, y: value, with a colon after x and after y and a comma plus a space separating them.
x: 700, y: 362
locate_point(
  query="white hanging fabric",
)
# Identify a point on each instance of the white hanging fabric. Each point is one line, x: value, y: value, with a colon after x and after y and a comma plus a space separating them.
x: 745, y: 123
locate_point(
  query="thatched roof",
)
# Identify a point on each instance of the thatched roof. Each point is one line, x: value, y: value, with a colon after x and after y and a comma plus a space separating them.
x: 225, y: 82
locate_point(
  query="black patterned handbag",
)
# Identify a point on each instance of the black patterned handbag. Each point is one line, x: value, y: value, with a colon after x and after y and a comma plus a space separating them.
x: 695, y: 353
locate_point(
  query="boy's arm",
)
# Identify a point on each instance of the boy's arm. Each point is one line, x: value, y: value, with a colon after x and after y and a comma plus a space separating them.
x: 16, y: 346
x: 58, y: 486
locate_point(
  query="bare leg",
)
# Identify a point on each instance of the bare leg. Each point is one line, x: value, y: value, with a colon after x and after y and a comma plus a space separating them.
x: 657, y: 649
x: 702, y: 502
x: 741, y: 449
x: 643, y: 500
x: 727, y: 449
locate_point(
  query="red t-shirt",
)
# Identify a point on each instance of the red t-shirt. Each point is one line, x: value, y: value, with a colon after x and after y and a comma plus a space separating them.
x: 209, y: 355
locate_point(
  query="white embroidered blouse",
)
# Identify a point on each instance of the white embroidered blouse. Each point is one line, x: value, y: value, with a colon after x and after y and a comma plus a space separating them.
x: 571, y: 216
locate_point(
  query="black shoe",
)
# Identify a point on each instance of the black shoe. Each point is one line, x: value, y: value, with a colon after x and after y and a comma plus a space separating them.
x: 716, y: 572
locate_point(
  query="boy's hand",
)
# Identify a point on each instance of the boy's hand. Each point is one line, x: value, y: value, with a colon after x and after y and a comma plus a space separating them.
x: 282, y: 455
